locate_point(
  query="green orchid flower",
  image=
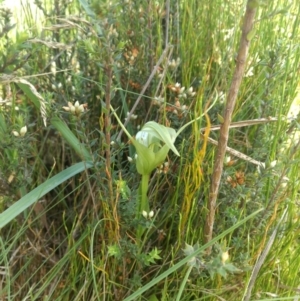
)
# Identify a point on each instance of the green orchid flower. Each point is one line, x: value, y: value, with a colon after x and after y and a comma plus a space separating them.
x: 152, y: 144
x: 148, y: 144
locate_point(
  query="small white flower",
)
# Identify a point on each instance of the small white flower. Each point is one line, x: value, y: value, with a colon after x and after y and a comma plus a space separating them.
x: 227, y: 159
x: 172, y: 63
x: 250, y: 72
x: 147, y: 215
x: 15, y: 133
x: 224, y: 256
x: 273, y: 163
x: 190, y: 90
x: 75, y: 109
x: 53, y: 68
x: 23, y: 131
x: 184, y: 108
x: 129, y: 159
x: 273, y: 295
x: 81, y: 109
x: 260, y: 167
x: 285, y: 181
x: 132, y: 116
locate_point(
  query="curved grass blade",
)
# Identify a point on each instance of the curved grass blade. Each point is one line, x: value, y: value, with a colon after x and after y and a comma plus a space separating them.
x: 73, y: 141
x: 30, y: 198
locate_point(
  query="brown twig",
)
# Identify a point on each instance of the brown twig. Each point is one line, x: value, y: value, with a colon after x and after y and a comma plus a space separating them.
x: 163, y: 55
x: 230, y: 103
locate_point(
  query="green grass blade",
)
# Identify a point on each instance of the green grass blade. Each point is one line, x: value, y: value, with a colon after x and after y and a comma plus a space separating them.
x: 30, y: 94
x: 34, y: 96
x: 9, y: 214
x: 73, y: 141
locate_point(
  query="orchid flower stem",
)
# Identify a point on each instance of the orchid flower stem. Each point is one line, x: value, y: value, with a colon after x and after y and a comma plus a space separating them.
x: 143, y: 203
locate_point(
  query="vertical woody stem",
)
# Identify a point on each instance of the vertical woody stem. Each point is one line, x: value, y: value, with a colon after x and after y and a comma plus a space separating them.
x: 230, y: 103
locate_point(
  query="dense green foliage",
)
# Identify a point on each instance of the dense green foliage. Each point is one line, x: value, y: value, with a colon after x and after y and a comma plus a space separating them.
x: 70, y: 223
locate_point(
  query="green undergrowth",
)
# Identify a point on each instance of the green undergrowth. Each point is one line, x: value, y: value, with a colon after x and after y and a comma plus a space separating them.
x: 69, y: 187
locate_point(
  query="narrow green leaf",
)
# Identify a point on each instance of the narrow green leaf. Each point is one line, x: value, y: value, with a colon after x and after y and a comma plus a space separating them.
x: 29, y: 199
x: 34, y: 96
x: 68, y: 135
x: 29, y: 93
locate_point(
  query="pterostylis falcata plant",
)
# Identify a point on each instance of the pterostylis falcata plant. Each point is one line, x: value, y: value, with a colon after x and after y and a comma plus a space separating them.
x: 152, y: 144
